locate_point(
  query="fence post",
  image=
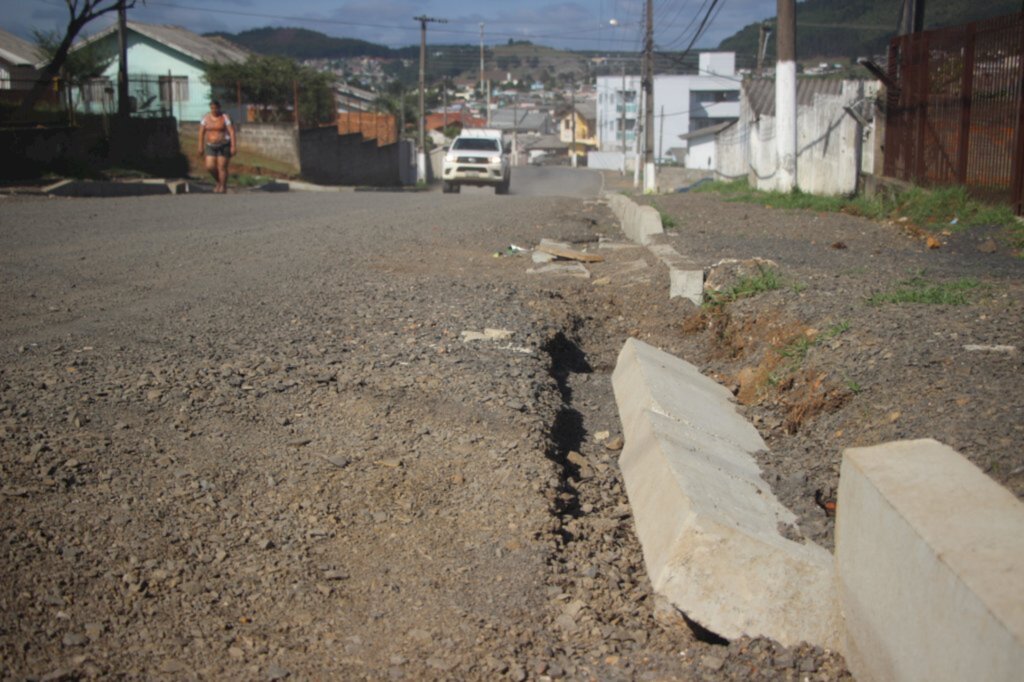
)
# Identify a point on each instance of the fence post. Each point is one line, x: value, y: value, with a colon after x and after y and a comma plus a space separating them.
x: 170, y: 94
x: 966, y: 101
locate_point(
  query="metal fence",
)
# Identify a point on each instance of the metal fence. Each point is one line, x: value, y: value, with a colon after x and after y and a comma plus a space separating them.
x: 955, y: 111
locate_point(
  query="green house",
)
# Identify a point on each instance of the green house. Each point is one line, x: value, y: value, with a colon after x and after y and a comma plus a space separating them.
x: 166, y: 70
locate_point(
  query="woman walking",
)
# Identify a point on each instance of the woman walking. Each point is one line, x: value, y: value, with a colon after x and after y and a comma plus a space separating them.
x: 217, y: 144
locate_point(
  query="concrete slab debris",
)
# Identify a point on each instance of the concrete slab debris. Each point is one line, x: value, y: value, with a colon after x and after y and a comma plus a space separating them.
x: 486, y: 335
x: 707, y: 522
x: 930, y: 558
x: 572, y: 269
x: 1001, y: 348
x: 569, y: 253
x: 105, y: 188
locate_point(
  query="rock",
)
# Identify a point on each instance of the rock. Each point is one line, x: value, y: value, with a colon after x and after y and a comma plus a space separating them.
x: 725, y: 274
x: 275, y: 672
x: 988, y: 246
x: 338, y: 461
x: 75, y: 639
x: 712, y: 663
x: 615, y: 444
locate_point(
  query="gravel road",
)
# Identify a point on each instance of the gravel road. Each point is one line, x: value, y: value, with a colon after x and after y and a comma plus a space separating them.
x: 243, y: 437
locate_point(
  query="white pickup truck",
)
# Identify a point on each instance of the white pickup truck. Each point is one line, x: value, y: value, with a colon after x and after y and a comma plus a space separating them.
x: 477, y: 157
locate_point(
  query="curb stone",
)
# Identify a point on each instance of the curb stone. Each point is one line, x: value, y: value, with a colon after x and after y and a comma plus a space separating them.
x: 642, y: 224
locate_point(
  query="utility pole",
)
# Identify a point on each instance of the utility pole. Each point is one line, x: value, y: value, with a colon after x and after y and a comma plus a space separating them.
x: 650, y: 179
x: 911, y: 17
x: 573, y: 114
x: 481, y: 58
x: 622, y: 118
x: 639, y: 137
x: 421, y: 157
x: 763, y: 33
x: 444, y: 95
x: 123, y: 105
x: 785, y: 96
x: 661, y: 137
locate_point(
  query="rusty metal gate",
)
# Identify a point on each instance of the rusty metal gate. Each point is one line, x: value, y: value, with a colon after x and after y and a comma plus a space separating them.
x: 956, y: 113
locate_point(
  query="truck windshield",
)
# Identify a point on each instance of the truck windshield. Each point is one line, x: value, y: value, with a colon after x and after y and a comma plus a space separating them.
x: 477, y: 144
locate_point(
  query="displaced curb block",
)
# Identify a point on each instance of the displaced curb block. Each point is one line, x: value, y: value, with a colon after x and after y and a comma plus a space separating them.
x: 930, y: 559
x: 639, y: 223
x: 707, y: 522
x: 686, y: 280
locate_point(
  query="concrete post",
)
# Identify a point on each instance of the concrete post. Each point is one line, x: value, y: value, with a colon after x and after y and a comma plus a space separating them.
x: 785, y: 97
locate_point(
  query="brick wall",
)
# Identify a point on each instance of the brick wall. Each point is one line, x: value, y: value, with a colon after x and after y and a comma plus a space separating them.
x: 278, y: 141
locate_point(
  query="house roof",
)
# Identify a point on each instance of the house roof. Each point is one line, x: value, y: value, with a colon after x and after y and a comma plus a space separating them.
x: 17, y: 51
x: 761, y: 93
x: 546, y: 143
x: 436, y: 121
x: 521, y: 119
x: 708, y: 131
x: 204, y: 49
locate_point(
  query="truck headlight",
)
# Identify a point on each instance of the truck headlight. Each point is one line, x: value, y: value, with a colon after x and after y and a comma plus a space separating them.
x: 450, y: 158
x: 495, y: 159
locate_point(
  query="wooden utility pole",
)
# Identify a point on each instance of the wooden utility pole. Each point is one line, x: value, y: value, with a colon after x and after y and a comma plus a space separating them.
x: 785, y: 96
x: 123, y: 105
x: 444, y: 97
x: 573, y: 114
x: 421, y: 157
x: 661, y: 137
x: 650, y: 180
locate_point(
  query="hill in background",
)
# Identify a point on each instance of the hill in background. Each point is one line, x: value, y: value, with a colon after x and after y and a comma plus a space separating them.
x: 856, y: 28
x: 301, y: 43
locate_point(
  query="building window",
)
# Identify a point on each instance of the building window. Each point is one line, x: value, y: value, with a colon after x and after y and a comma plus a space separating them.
x: 173, y: 89
x: 97, y: 90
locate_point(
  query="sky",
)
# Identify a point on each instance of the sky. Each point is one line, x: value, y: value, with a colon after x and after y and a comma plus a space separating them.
x: 578, y: 24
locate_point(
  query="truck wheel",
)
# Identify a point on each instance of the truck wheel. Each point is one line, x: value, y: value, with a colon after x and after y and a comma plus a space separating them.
x: 502, y: 188
x: 448, y: 188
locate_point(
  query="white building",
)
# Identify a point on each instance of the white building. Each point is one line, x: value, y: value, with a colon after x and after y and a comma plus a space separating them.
x: 682, y: 104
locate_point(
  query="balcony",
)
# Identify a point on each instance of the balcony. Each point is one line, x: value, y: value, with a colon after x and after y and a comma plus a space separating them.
x: 631, y: 109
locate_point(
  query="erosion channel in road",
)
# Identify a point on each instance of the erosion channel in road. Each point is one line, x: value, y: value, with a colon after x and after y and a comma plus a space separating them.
x: 243, y: 438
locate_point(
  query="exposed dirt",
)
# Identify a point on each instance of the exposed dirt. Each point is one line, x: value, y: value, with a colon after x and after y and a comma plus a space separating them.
x: 242, y: 437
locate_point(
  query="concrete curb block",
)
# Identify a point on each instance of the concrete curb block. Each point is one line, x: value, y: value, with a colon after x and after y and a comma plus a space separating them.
x: 642, y: 224
x: 707, y: 522
x: 930, y: 559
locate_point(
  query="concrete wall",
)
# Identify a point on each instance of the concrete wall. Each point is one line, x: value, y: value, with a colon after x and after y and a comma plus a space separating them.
x: 149, y: 145
x: 279, y: 141
x: 829, y: 144
x: 328, y: 158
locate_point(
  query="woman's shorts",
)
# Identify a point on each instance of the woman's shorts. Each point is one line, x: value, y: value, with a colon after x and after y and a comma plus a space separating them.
x: 219, y: 149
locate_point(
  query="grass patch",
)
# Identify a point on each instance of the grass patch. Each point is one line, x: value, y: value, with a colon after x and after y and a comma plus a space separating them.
x: 247, y: 180
x: 796, y: 351
x: 919, y: 290
x: 945, y: 207
x: 767, y: 279
x: 667, y: 221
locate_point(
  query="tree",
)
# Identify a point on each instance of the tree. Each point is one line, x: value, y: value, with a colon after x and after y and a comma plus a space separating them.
x: 79, y: 66
x: 80, y: 12
x: 269, y: 84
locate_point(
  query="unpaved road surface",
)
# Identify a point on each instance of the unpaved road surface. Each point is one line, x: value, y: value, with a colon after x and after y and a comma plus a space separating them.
x: 242, y: 437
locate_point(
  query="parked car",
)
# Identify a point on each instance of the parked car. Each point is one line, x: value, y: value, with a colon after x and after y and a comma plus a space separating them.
x: 477, y: 157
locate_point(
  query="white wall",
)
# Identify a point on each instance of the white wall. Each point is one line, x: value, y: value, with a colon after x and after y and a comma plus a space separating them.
x: 701, y: 154
x: 672, y: 95
x: 829, y: 142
